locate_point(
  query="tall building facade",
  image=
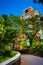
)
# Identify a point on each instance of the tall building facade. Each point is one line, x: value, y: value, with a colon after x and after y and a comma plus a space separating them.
x: 29, y: 13
x: 31, y: 27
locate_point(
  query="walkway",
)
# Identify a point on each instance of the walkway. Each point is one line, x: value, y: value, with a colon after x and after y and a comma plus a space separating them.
x: 31, y: 60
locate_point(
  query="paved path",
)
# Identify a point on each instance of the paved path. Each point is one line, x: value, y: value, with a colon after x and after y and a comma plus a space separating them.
x: 31, y: 60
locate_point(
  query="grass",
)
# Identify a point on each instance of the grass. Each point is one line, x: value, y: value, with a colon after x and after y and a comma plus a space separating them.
x: 6, y: 56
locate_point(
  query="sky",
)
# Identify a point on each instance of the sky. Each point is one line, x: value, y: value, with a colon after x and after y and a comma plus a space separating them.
x: 16, y: 7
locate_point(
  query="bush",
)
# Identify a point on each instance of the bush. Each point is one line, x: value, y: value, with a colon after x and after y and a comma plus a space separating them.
x: 7, y: 54
x: 24, y: 51
x: 36, y: 49
x: 31, y: 50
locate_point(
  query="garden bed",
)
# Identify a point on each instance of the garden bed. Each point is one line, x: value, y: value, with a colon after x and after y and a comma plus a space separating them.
x: 6, y: 55
x: 12, y: 60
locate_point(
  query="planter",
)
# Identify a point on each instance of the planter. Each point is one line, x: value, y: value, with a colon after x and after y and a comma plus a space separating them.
x: 13, y: 61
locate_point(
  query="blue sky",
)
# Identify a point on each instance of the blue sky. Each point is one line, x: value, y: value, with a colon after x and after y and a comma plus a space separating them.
x: 16, y: 6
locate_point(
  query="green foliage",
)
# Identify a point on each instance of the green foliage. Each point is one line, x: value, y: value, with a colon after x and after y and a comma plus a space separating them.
x: 24, y: 43
x: 6, y: 20
x: 10, y: 27
x: 6, y: 55
x: 8, y: 34
x: 16, y: 19
x: 36, y: 49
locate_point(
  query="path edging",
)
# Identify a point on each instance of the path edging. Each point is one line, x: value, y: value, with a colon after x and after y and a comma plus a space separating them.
x: 13, y: 60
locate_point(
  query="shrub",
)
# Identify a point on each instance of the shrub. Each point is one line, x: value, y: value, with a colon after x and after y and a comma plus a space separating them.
x: 36, y: 49
x: 7, y: 54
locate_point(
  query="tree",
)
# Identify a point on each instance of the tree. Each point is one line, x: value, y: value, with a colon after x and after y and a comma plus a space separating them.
x: 7, y: 32
x: 2, y: 31
x: 33, y: 30
x: 39, y: 1
x: 18, y: 23
x: 7, y: 21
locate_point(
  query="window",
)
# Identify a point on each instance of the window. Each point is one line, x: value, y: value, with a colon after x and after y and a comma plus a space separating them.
x: 27, y: 15
x: 26, y: 11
